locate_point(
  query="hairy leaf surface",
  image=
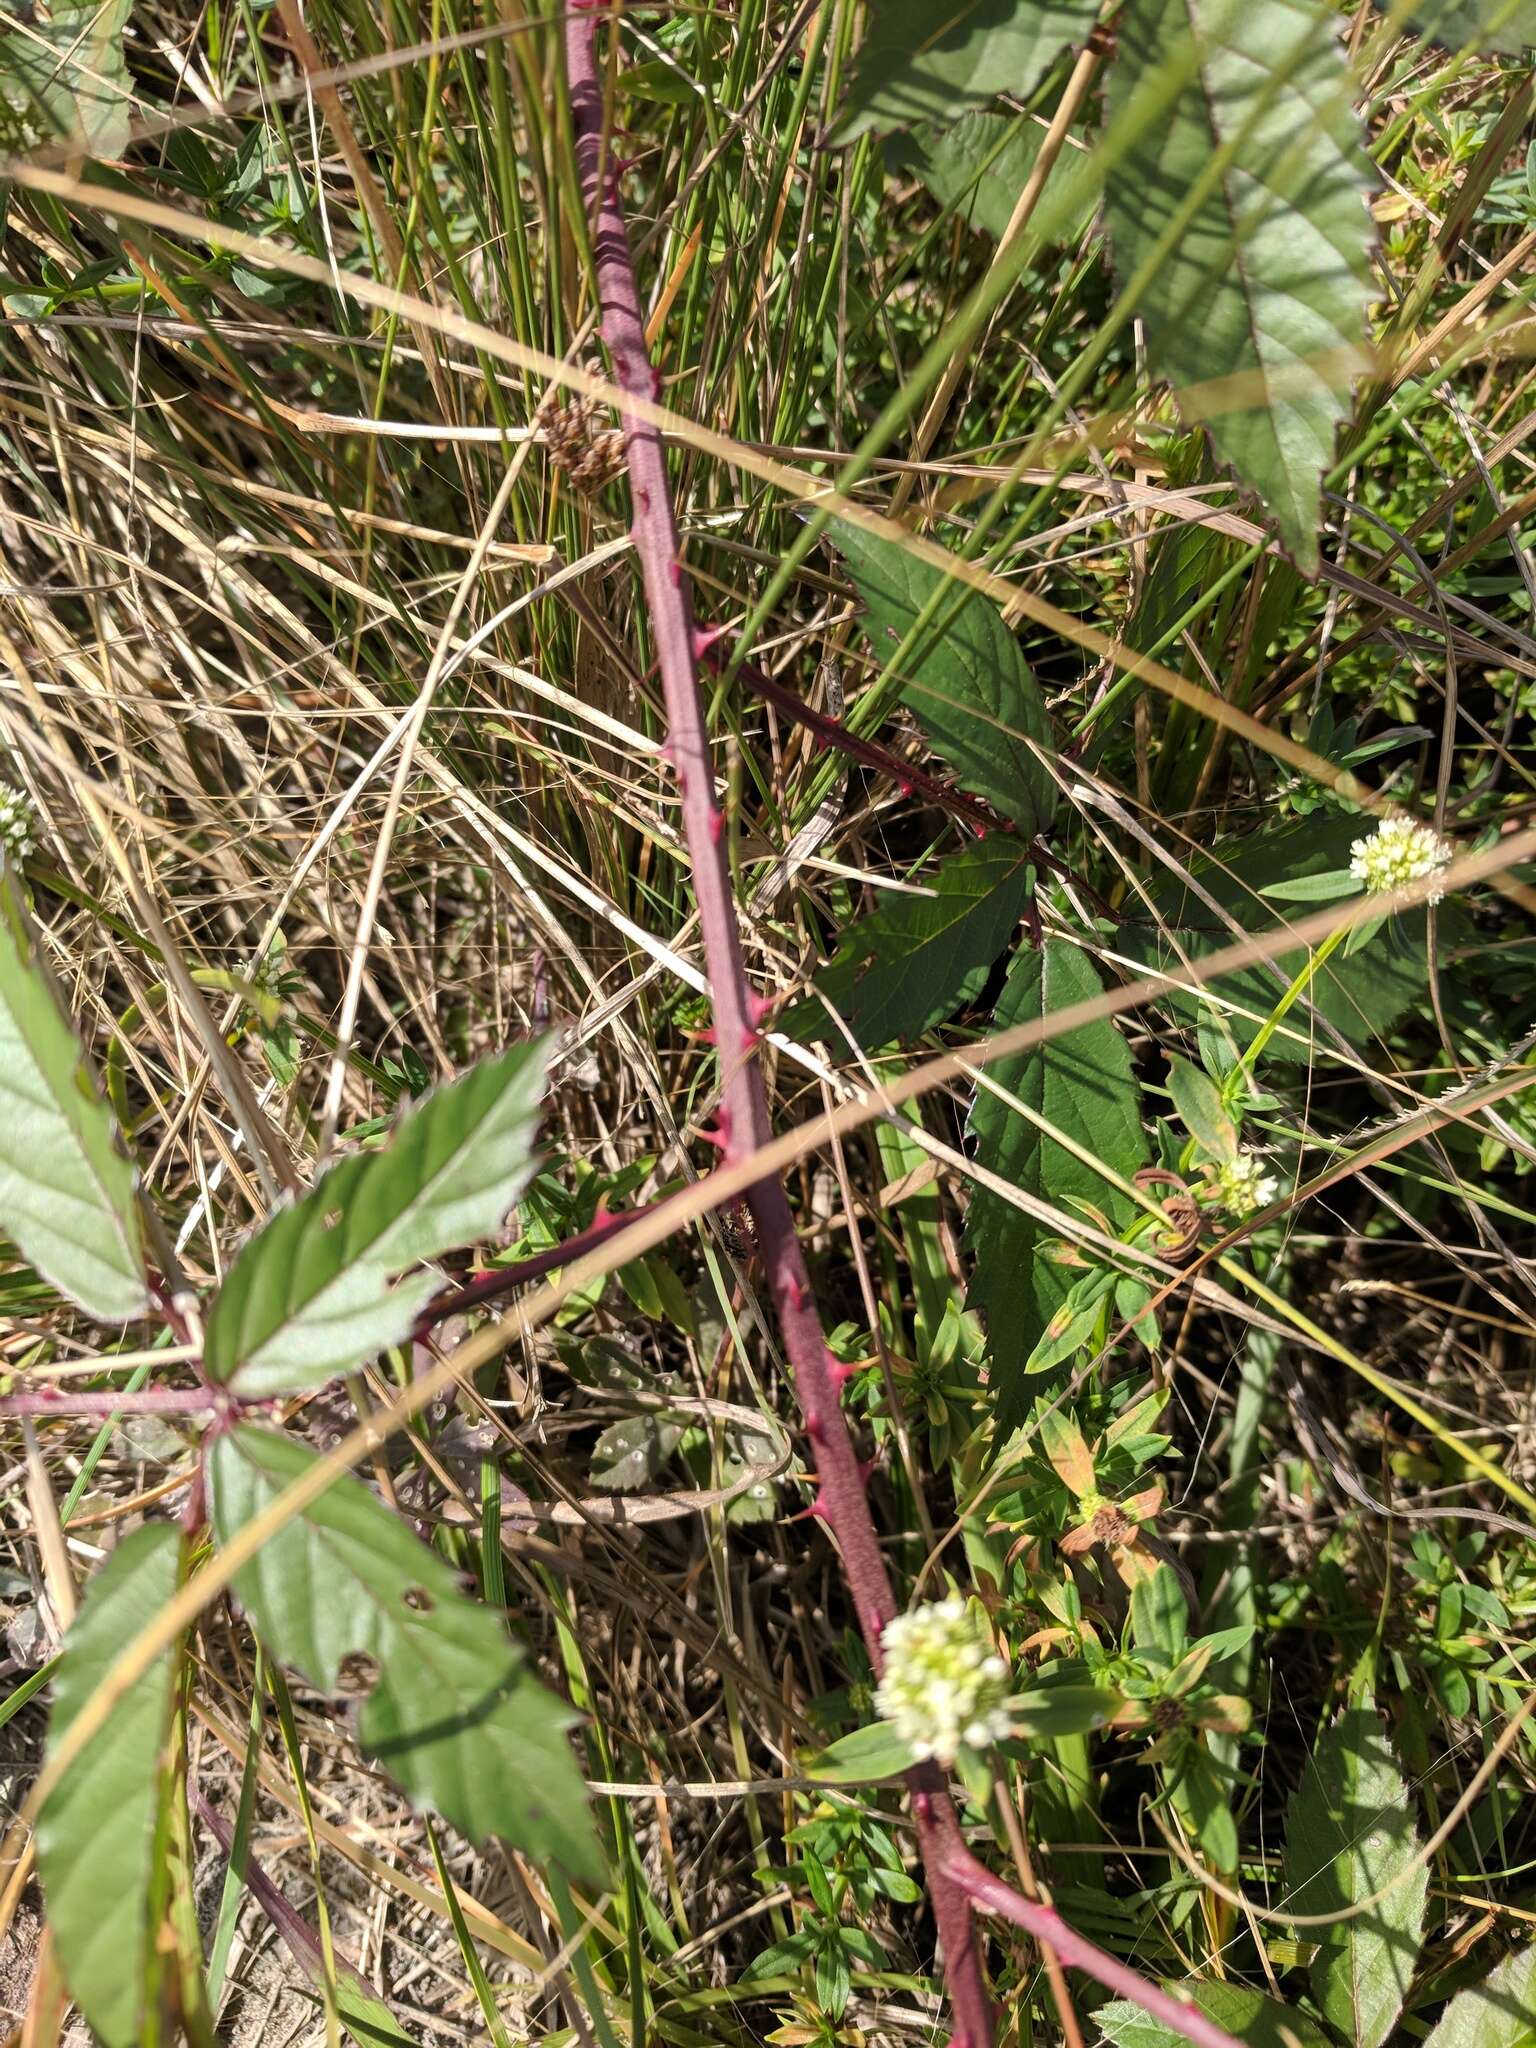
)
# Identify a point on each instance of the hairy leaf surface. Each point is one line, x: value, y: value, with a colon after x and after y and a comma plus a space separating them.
x: 1349, y: 1832
x: 922, y: 62
x: 1255, y: 309
x: 981, y: 163
x: 1508, y: 26
x: 1080, y: 1082
x: 310, y: 1295
x: 66, y: 1192
x: 453, y: 1708
x: 1248, y: 2016
x: 98, y: 1830
x: 1498, y: 2013
x: 966, y: 681
x: 918, y: 959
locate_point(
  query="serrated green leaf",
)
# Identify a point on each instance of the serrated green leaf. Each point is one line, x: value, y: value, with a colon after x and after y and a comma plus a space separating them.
x: 918, y: 959
x: 66, y: 1192
x: 1248, y: 2016
x: 1498, y: 2013
x: 1362, y: 995
x: 64, y: 77
x: 634, y: 1452
x: 310, y: 1295
x: 1506, y: 26
x: 980, y: 164
x: 1198, y: 1101
x: 454, y: 1710
x: 1350, y: 1831
x: 1256, y: 312
x: 1082, y: 1083
x: 869, y: 1754
x: 98, y: 1829
x: 921, y: 62
x: 968, y: 685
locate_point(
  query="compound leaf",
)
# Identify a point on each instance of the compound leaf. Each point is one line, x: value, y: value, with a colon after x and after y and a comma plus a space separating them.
x: 98, y: 1831
x: 66, y: 1191
x: 1256, y: 284
x: 453, y: 1708
x: 1080, y: 1082
x: 918, y: 959
x: 309, y: 1296
x: 966, y: 681
x: 1350, y: 1832
x: 919, y: 62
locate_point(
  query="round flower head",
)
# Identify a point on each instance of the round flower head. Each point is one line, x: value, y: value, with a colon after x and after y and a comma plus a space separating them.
x: 1398, y: 852
x: 944, y: 1687
x: 1243, y: 1186
x: 16, y: 822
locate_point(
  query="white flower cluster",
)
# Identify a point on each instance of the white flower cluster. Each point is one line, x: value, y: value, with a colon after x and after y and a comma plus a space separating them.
x: 944, y: 1687
x: 17, y: 818
x: 1244, y: 1186
x: 1398, y: 852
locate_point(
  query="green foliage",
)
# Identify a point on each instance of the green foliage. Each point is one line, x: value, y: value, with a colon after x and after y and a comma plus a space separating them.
x: 1498, y: 2013
x: 1198, y: 1101
x: 453, y: 1708
x: 870, y: 1753
x: 1362, y: 994
x: 66, y: 1192
x: 919, y: 63
x: 1248, y: 2016
x: 1081, y: 1083
x: 919, y: 958
x: 1503, y: 25
x: 64, y: 77
x: 310, y: 1296
x: 1350, y: 1833
x: 980, y: 164
x: 99, y: 1848
x: 1241, y: 208
x: 965, y: 680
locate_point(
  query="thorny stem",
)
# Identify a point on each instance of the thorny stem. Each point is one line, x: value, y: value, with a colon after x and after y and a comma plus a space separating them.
x: 742, y: 1125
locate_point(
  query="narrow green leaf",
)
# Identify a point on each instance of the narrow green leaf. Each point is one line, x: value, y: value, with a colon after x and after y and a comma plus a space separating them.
x: 1256, y: 312
x: 309, y: 1297
x: 980, y: 164
x: 1081, y: 1083
x: 66, y: 1192
x: 1506, y: 26
x: 921, y: 62
x: 1498, y: 2013
x: 870, y: 1753
x: 1160, y: 1613
x: 1063, y: 1710
x: 1350, y: 1831
x: 1248, y: 2016
x: 967, y: 683
x: 97, y: 1832
x: 918, y: 959
x: 1198, y: 1101
x: 1314, y: 888
x: 65, y: 76
x: 1362, y: 995
x: 453, y: 1708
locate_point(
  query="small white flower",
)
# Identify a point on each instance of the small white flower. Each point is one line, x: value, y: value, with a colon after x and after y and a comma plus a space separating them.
x: 1243, y: 1186
x: 944, y: 1688
x: 1398, y: 852
x: 17, y: 818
